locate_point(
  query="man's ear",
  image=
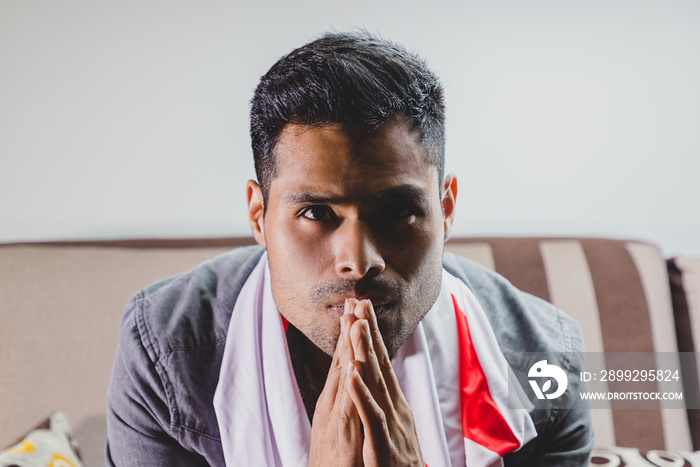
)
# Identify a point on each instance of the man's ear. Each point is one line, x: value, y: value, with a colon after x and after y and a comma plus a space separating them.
x: 256, y: 211
x: 449, y: 199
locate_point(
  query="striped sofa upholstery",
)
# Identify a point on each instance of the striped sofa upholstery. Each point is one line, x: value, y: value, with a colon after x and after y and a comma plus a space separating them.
x: 619, y: 293
x: 70, y: 296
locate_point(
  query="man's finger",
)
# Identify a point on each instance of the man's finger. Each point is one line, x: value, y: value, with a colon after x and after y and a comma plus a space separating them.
x: 343, y: 348
x: 371, y: 372
x: 373, y: 418
x: 330, y: 388
x: 343, y: 354
x: 348, y: 418
x: 365, y: 310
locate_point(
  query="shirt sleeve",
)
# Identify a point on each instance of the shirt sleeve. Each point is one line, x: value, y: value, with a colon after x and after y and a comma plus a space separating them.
x: 568, y: 443
x: 566, y: 438
x: 139, y: 431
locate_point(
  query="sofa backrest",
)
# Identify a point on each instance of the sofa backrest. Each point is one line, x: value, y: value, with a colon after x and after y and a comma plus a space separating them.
x: 61, y: 304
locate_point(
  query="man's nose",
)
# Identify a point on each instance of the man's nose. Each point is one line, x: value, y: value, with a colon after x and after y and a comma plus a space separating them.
x: 357, y: 252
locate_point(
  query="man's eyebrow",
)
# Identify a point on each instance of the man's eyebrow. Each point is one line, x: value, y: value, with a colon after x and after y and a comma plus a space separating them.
x: 399, y: 192
x: 304, y: 197
x: 402, y: 192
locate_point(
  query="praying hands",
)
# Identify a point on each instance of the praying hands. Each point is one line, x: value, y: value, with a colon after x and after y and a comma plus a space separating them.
x: 362, y: 417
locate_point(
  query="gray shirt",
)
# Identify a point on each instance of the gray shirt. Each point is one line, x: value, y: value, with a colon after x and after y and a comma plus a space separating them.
x: 173, y: 334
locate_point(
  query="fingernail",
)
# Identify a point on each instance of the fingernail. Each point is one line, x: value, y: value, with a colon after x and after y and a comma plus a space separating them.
x: 347, y: 306
x: 343, y: 326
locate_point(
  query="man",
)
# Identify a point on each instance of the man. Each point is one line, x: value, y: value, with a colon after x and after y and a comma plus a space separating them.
x: 348, y: 339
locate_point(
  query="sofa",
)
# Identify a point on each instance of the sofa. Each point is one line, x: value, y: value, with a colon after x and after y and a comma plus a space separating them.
x: 61, y: 305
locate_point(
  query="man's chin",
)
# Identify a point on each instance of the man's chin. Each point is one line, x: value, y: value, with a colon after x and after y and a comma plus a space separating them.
x: 394, y: 330
x: 324, y: 340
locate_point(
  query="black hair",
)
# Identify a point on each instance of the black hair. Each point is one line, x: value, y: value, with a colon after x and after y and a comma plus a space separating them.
x: 355, y: 80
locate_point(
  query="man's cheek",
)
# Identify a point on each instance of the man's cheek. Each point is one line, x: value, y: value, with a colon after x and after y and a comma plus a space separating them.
x: 410, y: 261
x: 302, y: 247
x: 414, y: 238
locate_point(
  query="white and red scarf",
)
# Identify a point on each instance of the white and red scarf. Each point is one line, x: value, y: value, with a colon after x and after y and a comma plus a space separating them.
x: 457, y: 384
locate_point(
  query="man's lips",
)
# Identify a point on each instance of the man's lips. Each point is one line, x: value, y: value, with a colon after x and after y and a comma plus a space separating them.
x: 380, y: 306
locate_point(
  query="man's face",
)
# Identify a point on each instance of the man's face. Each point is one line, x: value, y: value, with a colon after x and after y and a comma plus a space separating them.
x: 353, y: 215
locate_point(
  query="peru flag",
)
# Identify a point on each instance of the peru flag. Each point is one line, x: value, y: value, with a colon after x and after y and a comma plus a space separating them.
x: 456, y: 350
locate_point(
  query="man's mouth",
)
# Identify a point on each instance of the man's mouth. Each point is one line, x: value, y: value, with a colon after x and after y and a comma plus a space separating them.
x: 339, y: 308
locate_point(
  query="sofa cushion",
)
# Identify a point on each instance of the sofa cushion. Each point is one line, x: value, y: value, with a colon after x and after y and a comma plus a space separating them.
x: 632, y: 457
x: 49, y: 443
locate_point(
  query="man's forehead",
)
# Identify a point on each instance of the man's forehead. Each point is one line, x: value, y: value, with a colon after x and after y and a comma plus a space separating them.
x: 391, y: 147
x: 397, y: 133
x: 331, y: 164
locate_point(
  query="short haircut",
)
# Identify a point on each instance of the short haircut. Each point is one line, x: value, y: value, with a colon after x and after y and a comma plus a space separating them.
x: 355, y: 80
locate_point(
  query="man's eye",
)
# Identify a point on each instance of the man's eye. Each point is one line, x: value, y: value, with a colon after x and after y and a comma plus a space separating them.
x: 318, y: 213
x: 398, y: 211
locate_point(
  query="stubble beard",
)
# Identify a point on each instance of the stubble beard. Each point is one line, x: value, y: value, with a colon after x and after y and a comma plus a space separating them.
x: 395, y: 332
x: 396, y: 323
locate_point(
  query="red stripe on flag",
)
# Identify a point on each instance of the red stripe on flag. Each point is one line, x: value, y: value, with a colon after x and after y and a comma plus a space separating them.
x: 482, y: 422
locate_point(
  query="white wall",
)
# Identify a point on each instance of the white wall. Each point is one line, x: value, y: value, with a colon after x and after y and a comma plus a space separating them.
x: 129, y: 119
